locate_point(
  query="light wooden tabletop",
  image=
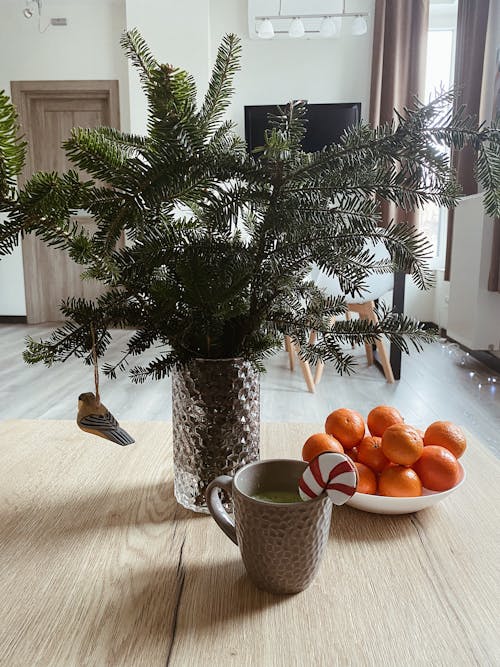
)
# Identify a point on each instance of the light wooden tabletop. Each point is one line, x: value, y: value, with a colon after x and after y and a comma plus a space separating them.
x: 100, y: 566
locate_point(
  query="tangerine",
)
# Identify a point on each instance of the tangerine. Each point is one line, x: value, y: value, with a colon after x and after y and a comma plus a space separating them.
x: 318, y: 443
x: 381, y: 417
x: 370, y: 453
x: 347, y: 426
x: 367, y: 482
x: 352, y: 453
x: 400, y: 482
x: 437, y: 468
x: 446, y: 434
x: 402, y: 444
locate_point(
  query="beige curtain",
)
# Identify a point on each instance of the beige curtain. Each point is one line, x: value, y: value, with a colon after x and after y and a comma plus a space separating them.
x: 494, y: 275
x: 494, y: 47
x: 398, y: 68
x: 472, y: 22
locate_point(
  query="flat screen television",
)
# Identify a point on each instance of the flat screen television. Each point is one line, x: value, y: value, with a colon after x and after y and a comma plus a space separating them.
x: 326, y: 123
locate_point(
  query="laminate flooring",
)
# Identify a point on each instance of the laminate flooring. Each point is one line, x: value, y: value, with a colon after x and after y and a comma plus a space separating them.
x: 434, y: 385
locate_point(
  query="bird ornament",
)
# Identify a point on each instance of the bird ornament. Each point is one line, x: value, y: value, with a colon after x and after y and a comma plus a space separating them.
x: 94, y: 417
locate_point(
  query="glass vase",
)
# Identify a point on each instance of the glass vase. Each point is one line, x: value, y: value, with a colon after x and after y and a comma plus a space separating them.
x: 216, y: 424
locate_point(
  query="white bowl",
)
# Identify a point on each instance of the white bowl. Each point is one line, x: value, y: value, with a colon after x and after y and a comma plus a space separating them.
x: 390, y: 505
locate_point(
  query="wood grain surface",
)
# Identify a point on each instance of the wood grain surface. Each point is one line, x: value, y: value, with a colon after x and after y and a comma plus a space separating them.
x: 100, y: 566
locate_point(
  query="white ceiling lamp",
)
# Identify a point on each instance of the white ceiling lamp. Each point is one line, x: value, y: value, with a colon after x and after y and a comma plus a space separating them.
x: 325, y: 25
x: 359, y: 26
x: 330, y: 26
x: 266, y: 30
x: 296, y: 28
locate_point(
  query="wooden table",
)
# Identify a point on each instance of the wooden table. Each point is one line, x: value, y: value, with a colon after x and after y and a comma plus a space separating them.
x: 100, y: 566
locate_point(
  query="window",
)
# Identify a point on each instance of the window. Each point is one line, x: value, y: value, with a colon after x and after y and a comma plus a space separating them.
x: 439, y: 75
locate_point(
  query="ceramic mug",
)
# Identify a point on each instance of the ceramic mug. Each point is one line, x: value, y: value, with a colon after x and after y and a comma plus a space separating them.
x: 281, y: 543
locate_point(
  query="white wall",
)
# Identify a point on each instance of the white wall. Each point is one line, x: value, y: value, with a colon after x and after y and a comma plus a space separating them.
x: 177, y: 33
x: 276, y: 71
x: 474, y: 312
x: 87, y: 48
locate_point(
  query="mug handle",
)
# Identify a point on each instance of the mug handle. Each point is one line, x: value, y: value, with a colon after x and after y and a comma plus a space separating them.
x: 216, y: 507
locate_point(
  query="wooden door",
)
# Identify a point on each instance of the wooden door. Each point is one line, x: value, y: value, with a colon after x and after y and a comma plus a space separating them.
x: 48, y: 110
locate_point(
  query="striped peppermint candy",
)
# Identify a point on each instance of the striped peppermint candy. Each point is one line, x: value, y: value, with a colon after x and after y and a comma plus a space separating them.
x: 332, y: 472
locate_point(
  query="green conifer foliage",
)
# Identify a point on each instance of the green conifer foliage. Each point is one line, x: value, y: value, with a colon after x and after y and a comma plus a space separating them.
x: 219, y: 242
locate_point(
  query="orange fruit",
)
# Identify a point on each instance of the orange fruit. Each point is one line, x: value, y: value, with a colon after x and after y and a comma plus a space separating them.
x: 370, y: 453
x: 437, y: 468
x: 381, y: 417
x: 367, y: 482
x: 400, y: 482
x: 318, y: 443
x: 352, y: 453
x: 446, y: 434
x: 347, y: 426
x: 402, y: 444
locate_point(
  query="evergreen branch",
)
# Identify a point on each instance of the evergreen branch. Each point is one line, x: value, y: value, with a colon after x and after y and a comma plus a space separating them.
x: 220, y: 87
x: 12, y: 148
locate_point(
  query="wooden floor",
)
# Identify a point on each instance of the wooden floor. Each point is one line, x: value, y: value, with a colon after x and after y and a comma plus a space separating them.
x: 433, y: 386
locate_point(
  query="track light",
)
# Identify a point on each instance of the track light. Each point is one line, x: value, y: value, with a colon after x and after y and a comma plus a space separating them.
x: 321, y: 25
x: 296, y: 28
x: 266, y: 30
x: 330, y: 26
x: 359, y: 26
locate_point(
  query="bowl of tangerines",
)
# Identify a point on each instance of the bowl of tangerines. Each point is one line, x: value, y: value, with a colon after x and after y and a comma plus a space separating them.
x: 401, y: 469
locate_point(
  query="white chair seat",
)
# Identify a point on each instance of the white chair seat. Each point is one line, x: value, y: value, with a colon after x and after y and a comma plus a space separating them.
x: 377, y: 284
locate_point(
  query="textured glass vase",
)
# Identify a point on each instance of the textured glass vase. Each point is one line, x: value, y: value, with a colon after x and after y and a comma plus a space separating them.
x: 216, y: 424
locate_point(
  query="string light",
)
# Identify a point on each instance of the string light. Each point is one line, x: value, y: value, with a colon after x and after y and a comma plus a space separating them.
x: 482, y: 379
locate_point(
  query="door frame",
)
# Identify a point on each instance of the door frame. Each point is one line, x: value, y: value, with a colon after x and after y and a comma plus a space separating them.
x: 22, y: 93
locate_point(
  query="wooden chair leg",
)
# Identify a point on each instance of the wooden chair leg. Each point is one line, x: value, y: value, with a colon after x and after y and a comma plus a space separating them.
x: 348, y: 318
x: 318, y: 374
x: 369, y: 353
x: 382, y: 352
x: 306, y: 371
x: 291, y: 353
x: 384, y: 360
x: 312, y: 337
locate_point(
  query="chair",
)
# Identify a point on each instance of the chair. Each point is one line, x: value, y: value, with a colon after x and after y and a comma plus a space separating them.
x: 376, y: 286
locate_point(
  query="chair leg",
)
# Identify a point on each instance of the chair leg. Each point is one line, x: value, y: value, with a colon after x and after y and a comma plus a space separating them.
x: 369, y: 353
x: 306, y: 371
x: 291, y: 353
x: 384, y: 360
x: 366, y: 312
x: 318, y: 374
x: 348, y: 318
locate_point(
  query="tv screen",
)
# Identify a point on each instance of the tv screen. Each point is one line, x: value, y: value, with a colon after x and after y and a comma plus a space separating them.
x: 326, y: 123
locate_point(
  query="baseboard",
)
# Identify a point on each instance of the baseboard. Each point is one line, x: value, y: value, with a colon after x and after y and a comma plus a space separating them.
x: 485, y: 357
x: 13, y: 319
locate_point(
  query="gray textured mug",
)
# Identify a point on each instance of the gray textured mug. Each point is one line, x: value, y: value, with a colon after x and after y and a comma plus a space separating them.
x: 281, y: 543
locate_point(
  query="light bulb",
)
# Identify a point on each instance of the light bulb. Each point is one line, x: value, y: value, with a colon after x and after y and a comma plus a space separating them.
x: 359, y: 26
x: 296, y: 28
x: 266, y: 30
x: 330, y: 26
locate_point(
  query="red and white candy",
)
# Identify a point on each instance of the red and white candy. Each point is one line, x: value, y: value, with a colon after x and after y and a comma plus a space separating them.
x: 329, y: 471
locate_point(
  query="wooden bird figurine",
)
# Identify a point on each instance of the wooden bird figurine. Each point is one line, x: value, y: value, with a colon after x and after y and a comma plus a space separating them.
x: 94, y: 417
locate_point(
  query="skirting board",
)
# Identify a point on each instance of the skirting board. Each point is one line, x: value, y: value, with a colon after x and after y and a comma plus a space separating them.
x: 485, y: 357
